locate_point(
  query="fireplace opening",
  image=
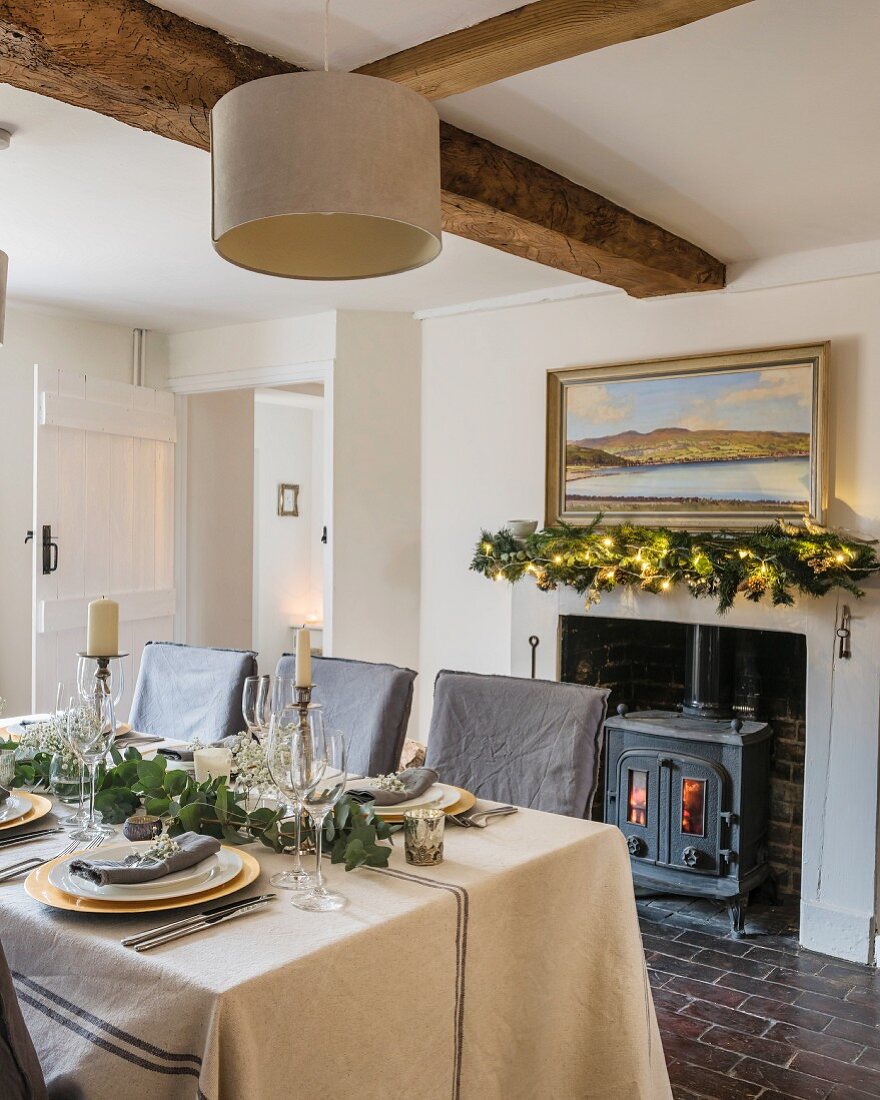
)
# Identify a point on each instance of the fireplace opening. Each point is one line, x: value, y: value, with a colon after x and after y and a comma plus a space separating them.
x: 752, y: 675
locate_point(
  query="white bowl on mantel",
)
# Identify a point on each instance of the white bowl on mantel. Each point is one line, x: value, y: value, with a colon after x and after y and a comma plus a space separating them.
x: 522, y: 528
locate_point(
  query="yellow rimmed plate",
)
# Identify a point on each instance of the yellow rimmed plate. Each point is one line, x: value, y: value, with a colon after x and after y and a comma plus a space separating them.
x: 465, y: 801
x: 40, y: 806
x: 40, y: 889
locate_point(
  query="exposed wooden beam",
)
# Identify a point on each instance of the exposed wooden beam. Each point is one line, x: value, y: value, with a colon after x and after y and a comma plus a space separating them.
x: 162, y: 73
x: 127, y: 59
x: 497, y: 197
x: 529, y: 37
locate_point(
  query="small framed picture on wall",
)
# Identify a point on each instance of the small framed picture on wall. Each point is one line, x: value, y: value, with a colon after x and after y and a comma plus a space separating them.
x: 288, y: 500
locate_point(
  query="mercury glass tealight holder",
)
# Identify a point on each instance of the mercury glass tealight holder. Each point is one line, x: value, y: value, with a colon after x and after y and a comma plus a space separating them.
x: 142, y: 826
x: 423, y: 835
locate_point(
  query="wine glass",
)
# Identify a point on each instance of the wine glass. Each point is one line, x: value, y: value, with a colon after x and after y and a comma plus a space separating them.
x: 283, y: 693
x: 284, y: 727
x: 87, y: 685
x: 319, y: 773
x: 91, y: 727
x: 255, y: 704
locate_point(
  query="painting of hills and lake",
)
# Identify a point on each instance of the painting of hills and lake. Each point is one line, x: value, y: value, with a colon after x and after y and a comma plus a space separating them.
x: 718, y: 441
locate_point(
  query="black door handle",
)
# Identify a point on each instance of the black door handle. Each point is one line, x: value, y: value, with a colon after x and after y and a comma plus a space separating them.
x: 50, y: 551
x: 28, y: 537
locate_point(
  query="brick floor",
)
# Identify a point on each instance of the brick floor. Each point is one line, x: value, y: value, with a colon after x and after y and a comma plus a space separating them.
x: 757, y: 1018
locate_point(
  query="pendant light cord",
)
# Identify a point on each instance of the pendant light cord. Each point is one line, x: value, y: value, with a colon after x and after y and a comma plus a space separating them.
x: 326, y: 36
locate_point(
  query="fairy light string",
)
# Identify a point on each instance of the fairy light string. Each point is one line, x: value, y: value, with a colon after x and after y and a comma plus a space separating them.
x: 778, y: 561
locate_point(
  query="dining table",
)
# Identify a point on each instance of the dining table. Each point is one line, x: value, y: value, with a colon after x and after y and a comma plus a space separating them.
x: 513, y: 969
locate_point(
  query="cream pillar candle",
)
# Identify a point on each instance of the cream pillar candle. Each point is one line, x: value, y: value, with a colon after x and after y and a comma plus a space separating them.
x: 211, y: 763
x: 303, y: 659
x: 103, y: 633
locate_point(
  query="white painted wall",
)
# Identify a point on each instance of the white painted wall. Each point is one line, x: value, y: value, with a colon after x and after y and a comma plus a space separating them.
x: 288, y: 558
x: 370, y: 364
x: 374, y: 536
x: 483, y: 402
x: 59, y: 341
x: 217, y: 351
x: 220, y: 530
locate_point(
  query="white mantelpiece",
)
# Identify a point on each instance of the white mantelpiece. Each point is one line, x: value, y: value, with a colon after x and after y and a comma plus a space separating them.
x: 839, y: 879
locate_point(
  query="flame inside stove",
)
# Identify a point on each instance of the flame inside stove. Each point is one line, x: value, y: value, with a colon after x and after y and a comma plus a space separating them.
x: 693, y: 807
x: 637, y: 798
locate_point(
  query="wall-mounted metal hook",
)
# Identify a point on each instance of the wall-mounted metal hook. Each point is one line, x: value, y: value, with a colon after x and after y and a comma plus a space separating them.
x: 534, y: 642
x: 843, y: 633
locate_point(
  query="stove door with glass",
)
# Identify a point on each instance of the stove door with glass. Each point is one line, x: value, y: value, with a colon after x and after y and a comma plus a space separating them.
x: 636, y: 801
x: 696, y: 806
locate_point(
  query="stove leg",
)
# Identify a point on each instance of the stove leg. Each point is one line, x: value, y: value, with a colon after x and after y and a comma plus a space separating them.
x: 737, y: 909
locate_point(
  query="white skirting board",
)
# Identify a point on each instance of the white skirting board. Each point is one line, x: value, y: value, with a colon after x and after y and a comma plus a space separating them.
x: 840, y: 933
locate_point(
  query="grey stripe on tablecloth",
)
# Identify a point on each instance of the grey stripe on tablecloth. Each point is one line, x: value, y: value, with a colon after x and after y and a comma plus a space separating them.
x: 90, y: 1028
x: 462, y: 902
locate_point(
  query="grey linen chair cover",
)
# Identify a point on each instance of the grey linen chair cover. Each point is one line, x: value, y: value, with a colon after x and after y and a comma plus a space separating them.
x: 186, y: 691
x: 531, y: 743
x: 369, y: 703
x: 21, y: 1077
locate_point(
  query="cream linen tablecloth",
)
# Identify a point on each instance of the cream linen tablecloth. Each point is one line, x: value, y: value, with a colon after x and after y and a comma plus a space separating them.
x: 513, y: 970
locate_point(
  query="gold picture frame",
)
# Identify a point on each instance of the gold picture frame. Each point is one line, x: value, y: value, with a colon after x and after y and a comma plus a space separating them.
x: 288, y: 500
x: 706, y: 442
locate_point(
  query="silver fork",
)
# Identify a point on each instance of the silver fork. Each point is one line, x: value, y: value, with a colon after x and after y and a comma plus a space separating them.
x: 13, y: 870
x: 478, y: 819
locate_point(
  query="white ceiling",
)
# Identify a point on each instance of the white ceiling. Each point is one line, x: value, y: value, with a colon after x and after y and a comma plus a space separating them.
x: 360, y: 30
x: 753, y: 133
x: 115, y: 223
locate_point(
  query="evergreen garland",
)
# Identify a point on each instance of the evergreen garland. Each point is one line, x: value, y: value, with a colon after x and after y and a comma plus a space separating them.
x: 778, y: 560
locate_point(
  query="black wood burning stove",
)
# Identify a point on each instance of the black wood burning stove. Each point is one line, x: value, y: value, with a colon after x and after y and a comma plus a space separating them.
x: 690, y: 791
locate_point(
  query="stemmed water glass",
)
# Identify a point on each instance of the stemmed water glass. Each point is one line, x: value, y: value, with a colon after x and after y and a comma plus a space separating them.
x: 319, y: 772
x: 284, y: 728
x: 91, y: 726
x: 255, y: 702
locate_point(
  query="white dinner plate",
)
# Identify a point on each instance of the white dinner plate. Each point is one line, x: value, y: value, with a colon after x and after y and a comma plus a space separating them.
x: 14, y: 807
x: 14, y: 727
x: 439, y: 795
x: 210, y: 873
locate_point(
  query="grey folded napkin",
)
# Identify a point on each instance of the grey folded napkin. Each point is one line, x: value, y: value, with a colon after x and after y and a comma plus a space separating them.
x: 126, y: 739
x: 176, y: 754
x: 109, y: 872
x: 415, y: 782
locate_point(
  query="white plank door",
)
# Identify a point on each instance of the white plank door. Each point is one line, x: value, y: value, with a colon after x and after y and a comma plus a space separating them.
x: 104, y: 484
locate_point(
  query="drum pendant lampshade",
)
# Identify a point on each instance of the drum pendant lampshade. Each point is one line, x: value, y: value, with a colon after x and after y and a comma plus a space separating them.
x: 4, y: 265
x: 325, y: 175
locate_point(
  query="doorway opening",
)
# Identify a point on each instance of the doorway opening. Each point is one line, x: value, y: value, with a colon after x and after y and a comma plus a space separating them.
x: 289, y: 518
x: 257, y: 486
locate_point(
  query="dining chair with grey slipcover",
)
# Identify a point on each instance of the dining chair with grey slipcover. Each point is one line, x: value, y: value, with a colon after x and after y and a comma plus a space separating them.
x: 369, y: 703
x: 531, y: 743
x: 21, y: 1076
x: 186, y: 691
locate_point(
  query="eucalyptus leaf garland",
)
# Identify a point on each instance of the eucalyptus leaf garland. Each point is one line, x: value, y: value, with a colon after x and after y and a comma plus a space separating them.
x: 353, y: 834
x: 778, y: 560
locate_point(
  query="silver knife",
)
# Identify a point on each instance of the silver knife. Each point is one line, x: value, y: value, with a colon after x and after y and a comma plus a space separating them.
x: 9, y: 842
x: 229, y: 907
x: 206, y: 922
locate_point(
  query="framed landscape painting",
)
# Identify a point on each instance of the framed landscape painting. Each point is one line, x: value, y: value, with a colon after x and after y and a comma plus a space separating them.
x: 706, y: 442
